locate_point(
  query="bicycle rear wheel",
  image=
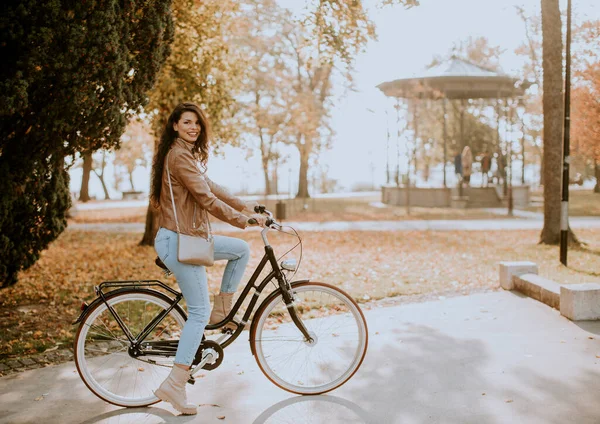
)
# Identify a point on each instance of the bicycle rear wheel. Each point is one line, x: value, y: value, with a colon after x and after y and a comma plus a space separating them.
x: 334, y: 321
x: 101, y: 348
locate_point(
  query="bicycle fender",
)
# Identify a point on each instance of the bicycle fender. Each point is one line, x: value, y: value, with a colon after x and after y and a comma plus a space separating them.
x: 113, y: 293
x: 263, y: 305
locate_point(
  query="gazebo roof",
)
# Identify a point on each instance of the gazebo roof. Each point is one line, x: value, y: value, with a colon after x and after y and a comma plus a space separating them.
x: 455, y: 79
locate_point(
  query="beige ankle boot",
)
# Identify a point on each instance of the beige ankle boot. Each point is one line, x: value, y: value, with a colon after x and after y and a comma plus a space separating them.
x: 221, y: 307
x: 172, y: 390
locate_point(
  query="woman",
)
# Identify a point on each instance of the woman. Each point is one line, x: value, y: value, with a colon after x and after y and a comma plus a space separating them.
x: 184, y: 144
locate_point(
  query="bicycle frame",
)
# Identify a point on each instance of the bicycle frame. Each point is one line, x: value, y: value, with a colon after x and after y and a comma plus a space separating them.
x: 136, y: 341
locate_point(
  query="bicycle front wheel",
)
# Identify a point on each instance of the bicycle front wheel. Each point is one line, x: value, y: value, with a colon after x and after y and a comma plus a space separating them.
x: 102, y: 349
x: 335, y: 323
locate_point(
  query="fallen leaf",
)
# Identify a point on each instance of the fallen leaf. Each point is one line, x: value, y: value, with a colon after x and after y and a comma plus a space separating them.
x: 141, y: 369
x: 221, y: 417
x: 509, y: 401
x: 210, y: 404
x: 483, y: 394
x: 240, y: 373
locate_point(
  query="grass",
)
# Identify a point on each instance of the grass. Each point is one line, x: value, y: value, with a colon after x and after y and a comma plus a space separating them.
x: 36, y: 314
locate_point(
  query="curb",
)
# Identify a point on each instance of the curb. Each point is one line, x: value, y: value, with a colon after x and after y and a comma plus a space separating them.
x: 11, y: 366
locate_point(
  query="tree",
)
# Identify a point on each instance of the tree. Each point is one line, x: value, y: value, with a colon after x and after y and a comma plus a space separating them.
x: 586, y: 119
x: 532, y: 71
x: 134, y: 146
x: 266, y: 98
x: 324, y: 42
x: 202, y: 68
x: 72, y: 74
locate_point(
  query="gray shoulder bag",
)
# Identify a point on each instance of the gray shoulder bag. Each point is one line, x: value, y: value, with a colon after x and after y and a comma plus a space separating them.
x: 193, y: 250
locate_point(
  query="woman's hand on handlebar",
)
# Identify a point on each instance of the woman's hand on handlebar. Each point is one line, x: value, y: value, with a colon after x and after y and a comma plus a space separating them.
x: 258, y: 219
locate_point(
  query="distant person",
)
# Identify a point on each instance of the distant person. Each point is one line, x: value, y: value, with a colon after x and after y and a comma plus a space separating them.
x: 486, y: 165
x: 458, y: 166
x: 467, y: 164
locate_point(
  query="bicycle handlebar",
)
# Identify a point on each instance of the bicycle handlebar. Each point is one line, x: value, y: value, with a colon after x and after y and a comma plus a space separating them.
x: 263, y: 210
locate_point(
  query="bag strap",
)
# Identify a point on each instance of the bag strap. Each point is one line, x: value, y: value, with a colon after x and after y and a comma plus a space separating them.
x: 173, y: 203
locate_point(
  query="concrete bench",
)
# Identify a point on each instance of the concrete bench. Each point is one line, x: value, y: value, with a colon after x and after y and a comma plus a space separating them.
x: 132, y: 194
x: 580, y: 301
x: 575, y: 301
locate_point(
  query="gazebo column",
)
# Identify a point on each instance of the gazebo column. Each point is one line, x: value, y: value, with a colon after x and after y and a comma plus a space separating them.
x: 462, y: 125
x: 499, y: 162
x: 445, y: 140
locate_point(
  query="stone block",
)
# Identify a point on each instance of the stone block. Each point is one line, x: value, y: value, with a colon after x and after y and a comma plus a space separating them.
x: 510, y: 269
x: 14, y: 364
x: 459, y: 202
x: 27, y: 361
x: 580, y: 302
x: 538, y: 288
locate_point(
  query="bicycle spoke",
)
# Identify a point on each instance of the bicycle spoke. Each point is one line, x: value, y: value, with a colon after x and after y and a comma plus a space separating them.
x: 102, y: 350
x: 339, y: 340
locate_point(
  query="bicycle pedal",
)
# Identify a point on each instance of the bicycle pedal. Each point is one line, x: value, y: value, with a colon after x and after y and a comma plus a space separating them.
x: 167, y: 273
x: 192, y: 380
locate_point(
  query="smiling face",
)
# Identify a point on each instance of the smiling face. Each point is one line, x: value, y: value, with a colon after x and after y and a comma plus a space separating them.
x: 188, y: 127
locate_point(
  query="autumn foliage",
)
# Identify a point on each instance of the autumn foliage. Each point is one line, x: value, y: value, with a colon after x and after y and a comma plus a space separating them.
x: 586, y: 115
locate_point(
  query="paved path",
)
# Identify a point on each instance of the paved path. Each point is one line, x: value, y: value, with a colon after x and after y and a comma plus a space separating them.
x: 417, y: 225
x: 488, y: 358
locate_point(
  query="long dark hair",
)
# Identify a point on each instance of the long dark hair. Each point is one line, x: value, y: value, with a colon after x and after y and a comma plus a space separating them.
x: 169, y: 135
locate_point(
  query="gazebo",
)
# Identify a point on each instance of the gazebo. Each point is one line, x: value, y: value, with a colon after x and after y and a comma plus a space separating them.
x: 455, y: 79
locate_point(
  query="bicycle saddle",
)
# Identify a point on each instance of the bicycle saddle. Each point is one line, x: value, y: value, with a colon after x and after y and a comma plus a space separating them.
x: 160, y: 264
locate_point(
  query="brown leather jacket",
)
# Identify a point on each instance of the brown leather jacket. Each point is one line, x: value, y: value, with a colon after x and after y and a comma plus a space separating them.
x: 194, y: 195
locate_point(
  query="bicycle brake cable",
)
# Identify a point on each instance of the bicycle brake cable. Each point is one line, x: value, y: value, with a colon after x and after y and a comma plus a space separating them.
x: 295, y: 233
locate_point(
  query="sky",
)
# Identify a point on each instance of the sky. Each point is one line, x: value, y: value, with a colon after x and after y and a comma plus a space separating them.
x: 407, y: 41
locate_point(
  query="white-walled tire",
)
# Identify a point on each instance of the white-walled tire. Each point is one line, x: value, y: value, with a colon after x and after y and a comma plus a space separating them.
x: 333, y: 320
x: 101, y: 348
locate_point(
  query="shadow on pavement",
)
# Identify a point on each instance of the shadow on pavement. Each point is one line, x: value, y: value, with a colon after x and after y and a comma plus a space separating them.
x: 428, y: 376
x: 321, y: 409
x: 149, y: 415
x: 589, y: 326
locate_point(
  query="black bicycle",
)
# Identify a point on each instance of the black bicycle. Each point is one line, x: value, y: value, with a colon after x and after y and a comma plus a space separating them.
x: 308, y: 338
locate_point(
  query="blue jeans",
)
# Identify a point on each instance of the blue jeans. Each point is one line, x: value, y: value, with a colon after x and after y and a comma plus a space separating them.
x: 194, y: 284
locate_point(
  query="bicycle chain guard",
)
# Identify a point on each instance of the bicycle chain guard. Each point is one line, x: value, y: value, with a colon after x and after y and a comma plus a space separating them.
x: 205, y: 345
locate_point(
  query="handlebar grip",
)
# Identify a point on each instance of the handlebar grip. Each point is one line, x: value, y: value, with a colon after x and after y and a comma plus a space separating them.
x: 269, y: 222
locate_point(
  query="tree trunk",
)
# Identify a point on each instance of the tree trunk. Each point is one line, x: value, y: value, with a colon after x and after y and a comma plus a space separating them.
x: 268, y: 185
x: 303, y: 177
x: 101, y: 178
x: 303, y: 174
x: 151, y: 226
x: 84, y: 193
x: 553, y: 119
x: 131, y: 180
x: 151, y: 215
